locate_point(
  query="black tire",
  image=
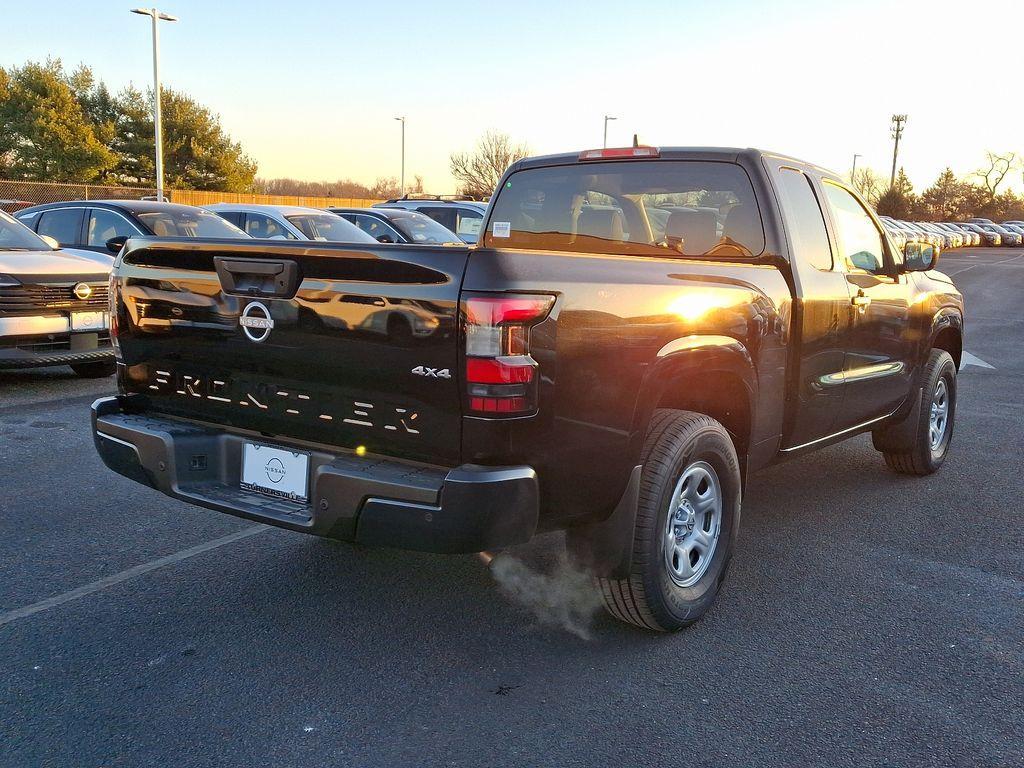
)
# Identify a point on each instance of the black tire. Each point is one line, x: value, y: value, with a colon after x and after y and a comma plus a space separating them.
x: 95, y: 370
x: 650, y: 597
x: 907, y: 445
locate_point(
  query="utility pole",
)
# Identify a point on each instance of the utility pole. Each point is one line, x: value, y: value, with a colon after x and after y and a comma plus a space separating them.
x: 158, y: 131
x: 402, y: 121
x: 853, y: 171
x: 896, y: 133
x: 606, y: 119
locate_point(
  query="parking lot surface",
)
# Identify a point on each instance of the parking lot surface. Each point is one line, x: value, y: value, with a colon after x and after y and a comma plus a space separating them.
x: 869, y: 619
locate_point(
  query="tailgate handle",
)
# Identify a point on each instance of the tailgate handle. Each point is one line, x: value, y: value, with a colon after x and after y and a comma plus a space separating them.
x: 258, y: 277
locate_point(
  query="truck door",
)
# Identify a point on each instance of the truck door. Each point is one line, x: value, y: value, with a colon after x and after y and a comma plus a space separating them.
x: 880, y: 352
x: 822, y: 320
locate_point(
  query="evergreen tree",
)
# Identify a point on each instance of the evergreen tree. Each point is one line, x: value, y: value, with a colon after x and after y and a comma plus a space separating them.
x: 45, y: 134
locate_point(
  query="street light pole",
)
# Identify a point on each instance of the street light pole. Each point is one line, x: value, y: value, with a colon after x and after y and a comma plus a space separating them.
x: 606, y: 119
x: 853, y: 171
x: 158, y: 131
x: 402, y: 121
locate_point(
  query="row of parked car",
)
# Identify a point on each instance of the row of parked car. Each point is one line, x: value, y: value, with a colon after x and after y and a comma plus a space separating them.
x: 950, y: 234
x: 105, y: 225
x: 55, y: 259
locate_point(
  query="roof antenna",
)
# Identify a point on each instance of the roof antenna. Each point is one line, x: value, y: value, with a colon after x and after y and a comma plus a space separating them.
x: 636, y: 142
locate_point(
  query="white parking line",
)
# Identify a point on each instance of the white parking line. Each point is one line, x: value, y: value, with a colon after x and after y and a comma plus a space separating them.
x: 130, y: 573
x: 968, y: 359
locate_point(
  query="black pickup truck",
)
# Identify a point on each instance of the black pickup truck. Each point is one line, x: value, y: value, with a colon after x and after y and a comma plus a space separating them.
x: 637, y: 331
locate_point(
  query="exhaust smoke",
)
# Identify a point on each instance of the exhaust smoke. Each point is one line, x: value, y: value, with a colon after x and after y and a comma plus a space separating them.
x: 566, y: 597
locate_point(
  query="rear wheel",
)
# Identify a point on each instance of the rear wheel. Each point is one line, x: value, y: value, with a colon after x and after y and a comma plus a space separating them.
x: 95, y: 370
x: 687, y: 520
x: 918, y: 445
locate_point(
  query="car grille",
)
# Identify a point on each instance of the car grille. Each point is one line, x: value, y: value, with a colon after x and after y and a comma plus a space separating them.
x: 51, y: 296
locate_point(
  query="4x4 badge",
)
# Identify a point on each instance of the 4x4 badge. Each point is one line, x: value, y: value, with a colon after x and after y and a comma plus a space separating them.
x: 256, y: 321
x: 432, y: 373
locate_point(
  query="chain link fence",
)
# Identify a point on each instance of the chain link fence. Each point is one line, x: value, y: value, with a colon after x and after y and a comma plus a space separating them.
x: 21, y: 194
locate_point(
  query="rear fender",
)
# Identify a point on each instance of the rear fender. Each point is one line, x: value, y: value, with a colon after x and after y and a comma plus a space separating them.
x: 674, y: 380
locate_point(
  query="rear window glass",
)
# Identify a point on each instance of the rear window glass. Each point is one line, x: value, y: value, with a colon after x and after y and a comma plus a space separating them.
x: 423, y: 229
x: 185, y: 222
x: 656, y: 208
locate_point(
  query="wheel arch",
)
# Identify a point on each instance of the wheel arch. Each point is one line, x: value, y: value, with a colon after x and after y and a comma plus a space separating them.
x: 713, y: 375
x: 947, y: 334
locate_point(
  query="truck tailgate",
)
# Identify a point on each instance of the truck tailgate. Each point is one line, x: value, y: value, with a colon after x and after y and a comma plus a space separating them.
x: 343, y: 345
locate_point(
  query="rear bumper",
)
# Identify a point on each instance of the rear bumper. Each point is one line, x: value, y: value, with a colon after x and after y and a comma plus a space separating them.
x: 381, y: 502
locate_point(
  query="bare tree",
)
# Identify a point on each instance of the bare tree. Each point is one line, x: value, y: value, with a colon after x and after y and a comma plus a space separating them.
x: 339, y: 188
x: 478, y: 172
x: 385, y: 187
x: 998, y: 167
x: 868, y: 184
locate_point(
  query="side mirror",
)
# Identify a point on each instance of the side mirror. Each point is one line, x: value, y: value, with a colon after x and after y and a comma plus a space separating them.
x: 919, y: 257
x: 115, y: 244
x: 50, y: 241
x: 385, y: 239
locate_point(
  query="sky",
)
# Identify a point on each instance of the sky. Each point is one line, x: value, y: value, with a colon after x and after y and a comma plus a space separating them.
x: 311, y: 89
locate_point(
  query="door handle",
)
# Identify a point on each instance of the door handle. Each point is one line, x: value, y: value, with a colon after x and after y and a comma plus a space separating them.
x: 861, y: 301
x: 257, y: 277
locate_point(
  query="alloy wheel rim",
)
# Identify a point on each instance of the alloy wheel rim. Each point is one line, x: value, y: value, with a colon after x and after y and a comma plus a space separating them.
x: 694, y: 524
x: 938, y: 421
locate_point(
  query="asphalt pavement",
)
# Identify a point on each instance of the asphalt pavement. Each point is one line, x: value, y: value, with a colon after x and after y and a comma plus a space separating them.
x: 869, y: 619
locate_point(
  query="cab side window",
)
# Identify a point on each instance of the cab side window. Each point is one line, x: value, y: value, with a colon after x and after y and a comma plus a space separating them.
x: 468, y: 222
x: 262, y: 226
x: 62, y: 224
x: 232, y: 217
x: 443, y: 216
x: 105, y: 225
x: 859, y: 239
x: 376, y: 228
x: 806, y: 221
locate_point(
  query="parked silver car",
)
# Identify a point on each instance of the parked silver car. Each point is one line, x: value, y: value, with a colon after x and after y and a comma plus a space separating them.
x: 53, y: 304
x: 290, y: 222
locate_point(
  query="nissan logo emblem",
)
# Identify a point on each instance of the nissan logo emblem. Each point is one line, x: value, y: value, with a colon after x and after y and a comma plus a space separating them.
x: 82, y: 291
x: 256, y: 322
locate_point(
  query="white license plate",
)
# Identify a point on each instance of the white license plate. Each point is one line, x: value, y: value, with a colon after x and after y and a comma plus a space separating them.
x: 274, y: 472
x: 89, y: 321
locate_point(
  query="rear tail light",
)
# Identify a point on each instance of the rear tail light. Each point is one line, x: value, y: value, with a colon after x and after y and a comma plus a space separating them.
x: 500, y: 373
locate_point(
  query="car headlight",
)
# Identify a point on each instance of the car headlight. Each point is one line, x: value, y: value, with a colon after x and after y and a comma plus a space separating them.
x: 6, y: 281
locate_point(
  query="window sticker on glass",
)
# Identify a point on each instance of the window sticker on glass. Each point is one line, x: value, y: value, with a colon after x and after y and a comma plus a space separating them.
x: 501, y: 229
x: 468, y: 226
